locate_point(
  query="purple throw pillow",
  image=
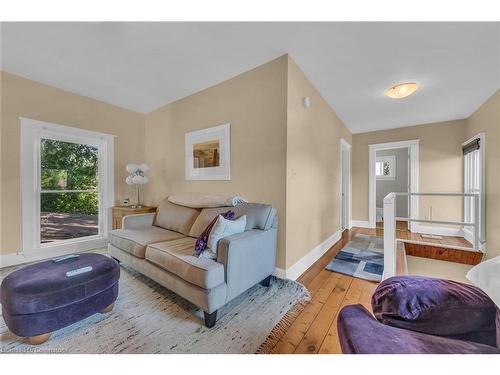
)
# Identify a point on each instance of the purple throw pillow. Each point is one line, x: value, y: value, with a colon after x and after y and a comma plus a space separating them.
x: 434, y: 306
x: 201, y: 242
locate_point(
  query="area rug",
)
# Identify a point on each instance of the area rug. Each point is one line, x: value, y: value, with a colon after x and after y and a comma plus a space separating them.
x: 362, y: 257
x: 148, y: 318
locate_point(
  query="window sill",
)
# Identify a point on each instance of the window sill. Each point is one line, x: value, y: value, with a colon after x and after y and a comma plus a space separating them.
x: 39, y: 254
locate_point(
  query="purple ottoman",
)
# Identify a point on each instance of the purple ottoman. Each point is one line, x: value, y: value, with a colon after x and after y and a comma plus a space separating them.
x: 43, y: 297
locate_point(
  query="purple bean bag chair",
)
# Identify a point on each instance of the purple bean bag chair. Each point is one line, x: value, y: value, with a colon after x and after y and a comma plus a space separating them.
x: 437, y: 307
x: 42, y: 298
x: 360, y: 333
x: 417, y: 314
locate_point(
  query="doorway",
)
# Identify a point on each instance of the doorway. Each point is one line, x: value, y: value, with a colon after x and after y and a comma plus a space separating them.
x: 345, y: 184
x: 392, y: 175
x: 393, y: 167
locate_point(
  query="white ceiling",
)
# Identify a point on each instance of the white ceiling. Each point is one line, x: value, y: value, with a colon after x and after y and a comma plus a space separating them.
x: 143, y: 66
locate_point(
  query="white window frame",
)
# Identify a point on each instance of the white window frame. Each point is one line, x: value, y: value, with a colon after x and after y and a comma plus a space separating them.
x: 32, y: 131
x: 468, y: 233
x: 391, y: 159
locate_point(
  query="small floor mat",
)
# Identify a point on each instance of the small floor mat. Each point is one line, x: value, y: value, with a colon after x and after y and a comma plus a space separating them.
x: 362, y: 257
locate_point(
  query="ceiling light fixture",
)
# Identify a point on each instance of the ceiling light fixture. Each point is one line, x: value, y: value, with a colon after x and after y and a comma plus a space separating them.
x: 401, y: 90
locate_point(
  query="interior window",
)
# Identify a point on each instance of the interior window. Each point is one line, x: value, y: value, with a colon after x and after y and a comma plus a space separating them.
x: 385, y: 168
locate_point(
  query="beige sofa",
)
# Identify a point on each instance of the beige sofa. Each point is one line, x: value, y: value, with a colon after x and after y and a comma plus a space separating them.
x: 161, y: 246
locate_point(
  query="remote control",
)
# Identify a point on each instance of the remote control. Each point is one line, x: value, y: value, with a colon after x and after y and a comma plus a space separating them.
x: 66, y: 257
x: 78, y: 271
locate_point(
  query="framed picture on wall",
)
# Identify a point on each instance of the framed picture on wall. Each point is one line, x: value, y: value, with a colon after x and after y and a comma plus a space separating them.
x: 208, y: 153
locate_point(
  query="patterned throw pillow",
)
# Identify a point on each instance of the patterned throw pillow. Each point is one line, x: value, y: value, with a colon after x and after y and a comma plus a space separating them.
x: 201, y: 242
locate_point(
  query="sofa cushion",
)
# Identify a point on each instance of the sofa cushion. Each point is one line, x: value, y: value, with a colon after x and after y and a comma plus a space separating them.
x: 174, y: 217
x: 178, y: 257
x: 259, y: 216
x: 205, y: 218
x: 435, y: 306
x: 360, y: 333
x: 134, y: 241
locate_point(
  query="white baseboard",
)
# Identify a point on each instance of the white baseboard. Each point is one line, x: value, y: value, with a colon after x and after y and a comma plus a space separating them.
x: 360, y: 223
x: 14, y: 259
x: 440, y: 231
x: 309, y: 259
x: 280, y: 273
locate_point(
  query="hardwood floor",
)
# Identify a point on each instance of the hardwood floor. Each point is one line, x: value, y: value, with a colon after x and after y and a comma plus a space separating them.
x: 405, y: 234
x: 315, y: 329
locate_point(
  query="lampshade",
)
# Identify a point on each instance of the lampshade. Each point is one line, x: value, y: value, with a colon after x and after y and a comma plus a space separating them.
x: 129, y: 181
x: 132, y: 168
x: 137, y: 179
x: 144, y: 167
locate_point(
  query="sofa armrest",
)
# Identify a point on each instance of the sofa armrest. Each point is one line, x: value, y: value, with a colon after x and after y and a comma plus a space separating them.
x: 248, y: 258
x: 138, y: 221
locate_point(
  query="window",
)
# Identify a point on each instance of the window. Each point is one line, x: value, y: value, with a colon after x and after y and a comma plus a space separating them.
x: 385, y: 167
x: 473, y: 151
x: 69, y: 194
x: 67, y: 183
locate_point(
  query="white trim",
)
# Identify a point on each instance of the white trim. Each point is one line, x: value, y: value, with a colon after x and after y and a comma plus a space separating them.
x: 482, y: 153
x: 390, y: 238
x: 360, y: 223
x: 14, y: 259
x: 344, y: 145
x: 413, y: 146
x: 441, y: 231
x: 294, y: 272
x: 31, y: 133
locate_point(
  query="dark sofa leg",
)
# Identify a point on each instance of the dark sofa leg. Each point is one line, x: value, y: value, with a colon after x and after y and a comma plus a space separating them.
x: 210, y: 319
x: 266, y: 281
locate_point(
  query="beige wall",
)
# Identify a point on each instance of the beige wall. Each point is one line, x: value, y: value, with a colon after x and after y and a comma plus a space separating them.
x: 487, y: 119
x: 254, y: 103
x: 25, y: 98
x: 440, y: 166
x: 313, y: 167
x: 281, y: 153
